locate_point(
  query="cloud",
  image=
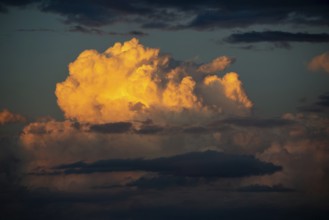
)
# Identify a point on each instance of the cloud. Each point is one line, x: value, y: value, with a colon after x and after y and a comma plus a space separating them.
x: 132, y: 82
x: 320, y: 62
x: 118, y: 127
x: 149, y: 129
x: 277, y: 36
x: 265, y: 188
x: 7, y: 116
x: 324, y: 100
x: 280, y: 39
x: 208, y: 164
x: 176, y: 15
x: 256, y: 122
x: 319, y: 106
x: 35, y: 30
x: 232, y: 88
x: 218, y: 64
x: 163, y: 182
x: 89, y: 30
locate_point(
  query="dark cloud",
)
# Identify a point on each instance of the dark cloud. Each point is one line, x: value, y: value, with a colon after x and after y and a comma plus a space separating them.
x: 265, y: 188
x: 208, y: 164
x: 319, y: 106
x: 255, y: 122
x: 206, y: 14
x: 11, y: 160
x: 117, y: 127
x: 149, y: 129
x: 98, y: 31
x: 5, y: 3
x: 323, y: 100
x: 196, y: 130
x: 35, y: 30
x: 279, y: 38
x: 163, y: 182
x: 43, y: 204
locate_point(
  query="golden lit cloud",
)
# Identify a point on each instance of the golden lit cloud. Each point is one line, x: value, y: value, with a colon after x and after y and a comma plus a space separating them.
x: 7, y: 116
x: 320, y: 62
x: 232, y: 87
x: 132, y: 82
x: 217, y: 64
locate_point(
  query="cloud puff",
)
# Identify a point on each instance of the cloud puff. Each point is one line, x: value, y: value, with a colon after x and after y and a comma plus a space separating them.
x: 217, y: 64
x: 320, y: 62
x: 132, y: 82
x: 7, y: 116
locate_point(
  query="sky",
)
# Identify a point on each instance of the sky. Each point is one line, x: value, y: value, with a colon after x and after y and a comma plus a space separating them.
x: 164, y: 109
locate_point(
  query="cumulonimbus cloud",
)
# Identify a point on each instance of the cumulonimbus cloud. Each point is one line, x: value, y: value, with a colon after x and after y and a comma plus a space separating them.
x: 132, y: 82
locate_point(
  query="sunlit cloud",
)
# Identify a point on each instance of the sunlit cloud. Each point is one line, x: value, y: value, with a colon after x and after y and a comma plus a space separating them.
x: 132, y: 82
x: 320, y: 62
x: 7, y: 116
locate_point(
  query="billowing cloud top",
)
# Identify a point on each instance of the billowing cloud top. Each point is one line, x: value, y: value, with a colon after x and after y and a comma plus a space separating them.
x: 132, y: 82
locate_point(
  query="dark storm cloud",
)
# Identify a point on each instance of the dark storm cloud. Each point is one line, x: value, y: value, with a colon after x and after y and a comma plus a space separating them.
x: 209, y: 164
x: 255, y: 122
x: 277, y: 37
x: 265, y: 188
x: 164, y: 14
x: 117, y: 127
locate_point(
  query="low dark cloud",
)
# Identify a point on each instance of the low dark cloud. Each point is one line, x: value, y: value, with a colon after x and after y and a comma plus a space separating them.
x: 323, y: 100
x: 35, y: 30
x: 265, y: 188
x: 277, y: 37
x: 255, y: 122
x: 43, y: 204
x: 149, y: 129
x: 196, y: 130
x: 117, y: 127
x: 98, y: 31
x: 206, y: 14
x: 163, y: 182
x: 208, y: 164
x: 321, y: 105
x: 11, y: 160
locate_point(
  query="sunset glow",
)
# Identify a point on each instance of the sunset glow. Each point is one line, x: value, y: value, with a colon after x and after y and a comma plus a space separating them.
x: 164, y: 110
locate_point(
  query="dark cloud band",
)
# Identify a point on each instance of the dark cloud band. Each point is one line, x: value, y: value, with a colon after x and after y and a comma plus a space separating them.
x: 206, y: 14
x: 208, y: 164
x: 277, y: 36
